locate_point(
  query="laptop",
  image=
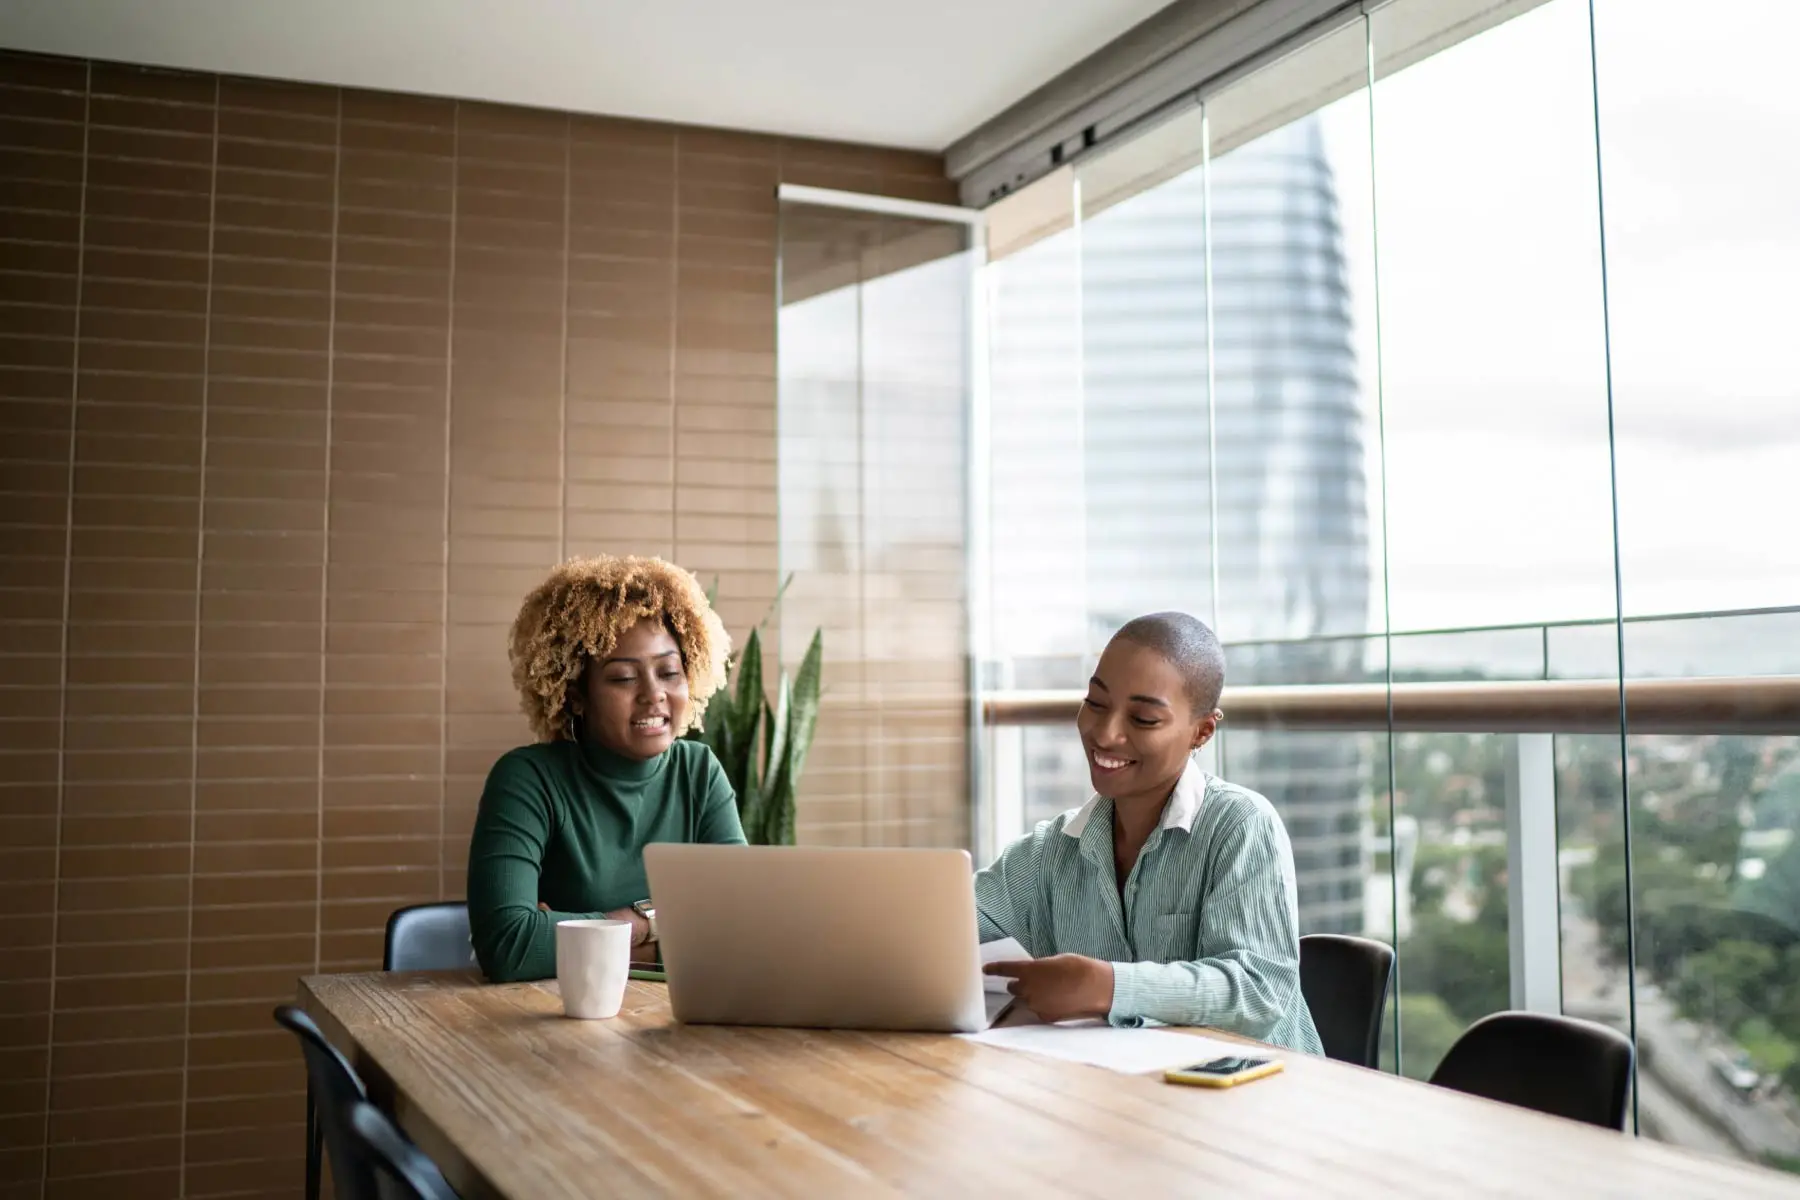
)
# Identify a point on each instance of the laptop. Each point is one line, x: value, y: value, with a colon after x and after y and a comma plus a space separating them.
x: 820, y: 937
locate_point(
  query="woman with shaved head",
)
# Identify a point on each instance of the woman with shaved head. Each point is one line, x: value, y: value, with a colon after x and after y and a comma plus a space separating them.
x: 1169, y: 896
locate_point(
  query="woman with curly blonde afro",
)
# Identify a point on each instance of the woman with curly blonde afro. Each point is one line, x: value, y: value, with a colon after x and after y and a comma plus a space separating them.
x: 614, y: 659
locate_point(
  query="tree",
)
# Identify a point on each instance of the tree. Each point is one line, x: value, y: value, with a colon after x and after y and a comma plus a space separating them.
x: 1464, y: 964
x: 1677, y: 908
x: 1728, y: 983
x: 1427, y: 1031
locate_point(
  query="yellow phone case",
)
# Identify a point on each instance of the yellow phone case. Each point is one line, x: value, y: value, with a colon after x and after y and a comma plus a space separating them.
x: 1194, y: 1079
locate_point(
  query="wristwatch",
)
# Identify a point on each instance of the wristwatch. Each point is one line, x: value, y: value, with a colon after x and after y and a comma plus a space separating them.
x: 646, y: 910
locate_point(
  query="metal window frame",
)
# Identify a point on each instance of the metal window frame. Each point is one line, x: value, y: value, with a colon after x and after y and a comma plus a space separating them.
x: 1177, y: 58
x: 1159, y: 65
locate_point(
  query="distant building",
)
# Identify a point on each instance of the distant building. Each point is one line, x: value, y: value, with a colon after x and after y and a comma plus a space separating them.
x: 1287, y: 441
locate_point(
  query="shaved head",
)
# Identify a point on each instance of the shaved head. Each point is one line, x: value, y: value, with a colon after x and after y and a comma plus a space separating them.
x: 1189, y: 646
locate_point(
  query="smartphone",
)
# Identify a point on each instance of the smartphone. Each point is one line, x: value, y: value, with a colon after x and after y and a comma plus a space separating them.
x: 1224, y: 1072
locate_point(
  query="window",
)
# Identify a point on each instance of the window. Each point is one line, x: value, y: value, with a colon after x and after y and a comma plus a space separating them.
x: 1326, y: 362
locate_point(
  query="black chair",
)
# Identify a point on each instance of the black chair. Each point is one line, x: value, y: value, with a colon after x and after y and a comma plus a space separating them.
x: 386, y: 1154
x: 1345, y: 981
x: 332, y: 1085
x: 1556, y: 1065
x: 428, y: 937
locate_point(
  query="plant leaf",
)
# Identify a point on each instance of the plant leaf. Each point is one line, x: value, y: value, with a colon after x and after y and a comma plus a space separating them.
x: 774, y: 727
x: 782, y: 792
x: 775, y: 604
x: 746, y: 716
x: 747, y: 678
x: 750, y: 810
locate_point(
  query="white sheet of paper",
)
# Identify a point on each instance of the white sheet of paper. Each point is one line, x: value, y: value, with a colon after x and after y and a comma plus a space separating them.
x: 1004, y: 950
x: 1128, y: 1051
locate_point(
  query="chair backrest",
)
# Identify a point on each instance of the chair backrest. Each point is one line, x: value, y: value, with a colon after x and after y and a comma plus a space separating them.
x: 1556, y: 1065
x: 1345, y: 981
x: 335, y: 1085
x: 428, y: 937
x: 387, y: 1154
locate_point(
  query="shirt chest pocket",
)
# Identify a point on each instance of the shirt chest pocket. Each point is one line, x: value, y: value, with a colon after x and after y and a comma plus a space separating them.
x: 1172, y: 937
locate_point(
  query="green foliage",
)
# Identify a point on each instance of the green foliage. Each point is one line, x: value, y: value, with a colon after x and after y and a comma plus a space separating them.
x: 763, y: 747
x: 1438, y: 776
x: 1679, y: 909
x: 1465, y: 965
x: 1783, y: 1162
x: 1435, y: 871
x: 1427, y: 1030
x: 1727, y: 983
x: 1772, y: 1053
x: 1724, y: 946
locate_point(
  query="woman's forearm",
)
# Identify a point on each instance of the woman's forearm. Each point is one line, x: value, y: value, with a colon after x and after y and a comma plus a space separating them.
x: 644, y: 952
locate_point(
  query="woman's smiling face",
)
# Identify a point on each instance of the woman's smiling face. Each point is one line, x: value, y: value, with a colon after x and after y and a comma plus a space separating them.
x: 635, y: 698
x: 1138, y: 724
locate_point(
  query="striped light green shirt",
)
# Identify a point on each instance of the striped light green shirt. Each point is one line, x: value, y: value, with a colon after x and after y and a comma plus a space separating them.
x: 1206, y: 930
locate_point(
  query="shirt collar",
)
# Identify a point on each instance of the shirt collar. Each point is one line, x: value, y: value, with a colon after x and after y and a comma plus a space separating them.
x: 1179, y: 813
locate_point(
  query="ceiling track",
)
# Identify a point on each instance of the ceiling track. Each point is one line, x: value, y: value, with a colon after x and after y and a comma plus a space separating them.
x: 1159, y: 68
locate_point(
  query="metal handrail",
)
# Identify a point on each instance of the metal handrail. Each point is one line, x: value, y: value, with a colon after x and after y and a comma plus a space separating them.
x: 1760, y: 705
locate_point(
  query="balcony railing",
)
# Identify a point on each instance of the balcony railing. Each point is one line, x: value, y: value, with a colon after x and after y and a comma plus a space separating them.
x: 1537, y: 808
x: 1765, y: 705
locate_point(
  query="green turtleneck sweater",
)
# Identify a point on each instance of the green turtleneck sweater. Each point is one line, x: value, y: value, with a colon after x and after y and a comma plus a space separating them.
x: 566, y: 823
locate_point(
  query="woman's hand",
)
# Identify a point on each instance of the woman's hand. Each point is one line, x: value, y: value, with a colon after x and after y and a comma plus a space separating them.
x: 644, y: 953
x: 1062, y: 987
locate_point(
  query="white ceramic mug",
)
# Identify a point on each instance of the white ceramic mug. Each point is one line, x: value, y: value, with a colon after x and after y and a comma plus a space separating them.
x: 593, y: 959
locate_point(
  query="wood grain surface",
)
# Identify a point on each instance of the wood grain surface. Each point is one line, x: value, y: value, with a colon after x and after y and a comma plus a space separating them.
x: 516, y: 1101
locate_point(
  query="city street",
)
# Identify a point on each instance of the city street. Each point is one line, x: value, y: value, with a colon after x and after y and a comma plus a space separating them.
x: 1681, y: 1098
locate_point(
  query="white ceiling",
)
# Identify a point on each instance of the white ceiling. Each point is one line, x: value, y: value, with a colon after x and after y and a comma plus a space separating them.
x: 915, y: 73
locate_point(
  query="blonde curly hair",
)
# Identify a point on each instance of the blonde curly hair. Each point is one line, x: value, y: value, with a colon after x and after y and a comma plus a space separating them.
x: 577, y: 615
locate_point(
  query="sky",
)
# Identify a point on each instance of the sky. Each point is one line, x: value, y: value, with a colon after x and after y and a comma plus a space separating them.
x: 1480, y: 205
x: 1470, y: 197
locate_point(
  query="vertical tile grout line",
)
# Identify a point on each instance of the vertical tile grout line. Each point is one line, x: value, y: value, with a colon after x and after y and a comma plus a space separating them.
x: 187, y: 1000
x: 562, y: 419
x: 444, y: 589
x: 775, y: 339
x: 337, y: 187
x: 860, y: 411
x: 62, y: 715
x: 674, y: 332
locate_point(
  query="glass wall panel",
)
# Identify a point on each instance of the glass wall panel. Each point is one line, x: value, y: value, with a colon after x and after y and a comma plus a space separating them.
x: 1327, y: 364
x: 1038, y: 538
x: 1697, y: 123
x: 1701, y: 167
x: 1146, y: 444
x: 874, y: 377
x: 1297, y: 463
x: 1038, y: 544
x: 1493, y: 351
x: 1493, y: 374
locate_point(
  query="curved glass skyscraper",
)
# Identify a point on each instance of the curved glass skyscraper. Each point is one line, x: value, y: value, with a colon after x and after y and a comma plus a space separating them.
x: 1252, y: 515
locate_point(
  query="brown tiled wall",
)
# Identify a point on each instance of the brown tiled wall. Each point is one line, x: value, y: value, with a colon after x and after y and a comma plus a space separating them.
x: 300, y: 389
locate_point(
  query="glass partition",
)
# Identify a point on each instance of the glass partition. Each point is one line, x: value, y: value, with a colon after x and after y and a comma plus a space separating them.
x: 1436, y: 361
x: 875, y: 396
x: 1700, y: 165
x: 1296, y: 461
x: 1495, y: 439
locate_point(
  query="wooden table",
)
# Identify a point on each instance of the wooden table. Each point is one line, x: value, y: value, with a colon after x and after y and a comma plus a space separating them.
x: 513, y: 1100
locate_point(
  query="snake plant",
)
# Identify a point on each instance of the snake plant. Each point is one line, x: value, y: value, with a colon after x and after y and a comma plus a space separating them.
x: 763, y: 746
